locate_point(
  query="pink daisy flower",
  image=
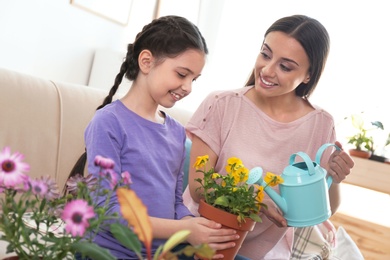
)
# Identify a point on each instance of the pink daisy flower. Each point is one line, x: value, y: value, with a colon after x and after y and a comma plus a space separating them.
x: 126, y: 177
x: 111, y: 177
x: 12, y: 169
x: 76, y: 214
x: 73, y: 182
x: 53, y: 191
x: 105, y: 163
x: 39, y: 187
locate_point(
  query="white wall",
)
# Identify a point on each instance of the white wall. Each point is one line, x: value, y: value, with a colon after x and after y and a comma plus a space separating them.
x: 56, y: 40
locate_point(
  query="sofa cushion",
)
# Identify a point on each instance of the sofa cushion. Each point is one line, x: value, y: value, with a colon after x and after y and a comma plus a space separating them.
x: 29, y: 120
x: 78, y: 104
x: 45, y: 121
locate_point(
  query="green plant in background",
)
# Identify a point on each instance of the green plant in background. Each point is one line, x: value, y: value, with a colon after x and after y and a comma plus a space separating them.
x: 362, y: 140
x: 388, y: 140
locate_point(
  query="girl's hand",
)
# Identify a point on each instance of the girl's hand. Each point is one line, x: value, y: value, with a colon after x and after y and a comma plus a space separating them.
x: 211, y: 233
x: 340, y: 164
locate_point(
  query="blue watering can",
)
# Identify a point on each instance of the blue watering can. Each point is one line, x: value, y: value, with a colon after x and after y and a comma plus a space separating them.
x: 303, y: 197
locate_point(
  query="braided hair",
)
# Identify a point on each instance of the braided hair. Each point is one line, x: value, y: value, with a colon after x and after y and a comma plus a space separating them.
x: 167, y: 36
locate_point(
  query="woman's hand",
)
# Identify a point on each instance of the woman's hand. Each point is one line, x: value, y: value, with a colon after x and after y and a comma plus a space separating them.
x: 211, y: 233
x: 274, y: 214
x: 340, y: 164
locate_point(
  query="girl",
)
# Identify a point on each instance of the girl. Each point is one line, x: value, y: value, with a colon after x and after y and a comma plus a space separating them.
x: 167, y: 56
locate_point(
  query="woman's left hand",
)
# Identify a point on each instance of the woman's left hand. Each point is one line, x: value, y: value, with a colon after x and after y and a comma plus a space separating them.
x: 340, y: 164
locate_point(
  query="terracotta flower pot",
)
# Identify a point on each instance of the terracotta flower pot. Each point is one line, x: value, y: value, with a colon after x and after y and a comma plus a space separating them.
x: 230, y: 221
x: 360, y: 153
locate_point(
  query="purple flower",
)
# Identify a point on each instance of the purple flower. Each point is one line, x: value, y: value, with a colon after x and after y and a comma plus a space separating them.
x: 105, y: 163
x: 53, y: 191
x: 126, y: 177
x: 39, y: 187
x: 12, y: 168
x: 111, y: 177
x: 72, y: 183
x: 76, y: 214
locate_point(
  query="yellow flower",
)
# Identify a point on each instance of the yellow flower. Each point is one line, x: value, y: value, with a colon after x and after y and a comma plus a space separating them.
x: 260, y: 193
x: 244, y: 174
x: 272, y: 179
x: 240, y: 175
x: 233, y: 164
x: 231, y: 192
x: 201, y: 161
x: 215, y: 175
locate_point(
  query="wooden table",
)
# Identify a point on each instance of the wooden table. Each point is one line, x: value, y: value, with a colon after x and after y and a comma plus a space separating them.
x: 370, y: 174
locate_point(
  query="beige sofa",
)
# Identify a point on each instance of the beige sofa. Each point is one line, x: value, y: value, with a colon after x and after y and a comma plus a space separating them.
x: 45, y: 121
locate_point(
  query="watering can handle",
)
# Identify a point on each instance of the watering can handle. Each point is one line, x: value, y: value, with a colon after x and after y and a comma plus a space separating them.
x: 307, y: 160
x: 320, y: 151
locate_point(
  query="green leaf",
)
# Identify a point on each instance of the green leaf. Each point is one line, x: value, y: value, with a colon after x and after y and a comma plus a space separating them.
x: 127, y: 237
x: 176, y: 239
x: 222, y: 201
x: 378, y: 124
x: 92, y: 250
x: 158, y: 252
x: 255, y: 217
x: 357, y: 121
x: 203, y: 251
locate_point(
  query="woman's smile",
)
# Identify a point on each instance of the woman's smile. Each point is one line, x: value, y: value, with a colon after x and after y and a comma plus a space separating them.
x: 266, y: 84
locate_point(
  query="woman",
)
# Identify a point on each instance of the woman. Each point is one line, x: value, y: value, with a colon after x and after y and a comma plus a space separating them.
x: 269, y: 119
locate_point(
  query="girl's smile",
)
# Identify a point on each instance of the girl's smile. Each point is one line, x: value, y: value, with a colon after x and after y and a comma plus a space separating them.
x: 176, y: 96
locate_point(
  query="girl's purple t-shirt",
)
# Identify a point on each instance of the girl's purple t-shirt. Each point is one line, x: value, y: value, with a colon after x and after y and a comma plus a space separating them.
x: 152, y: 153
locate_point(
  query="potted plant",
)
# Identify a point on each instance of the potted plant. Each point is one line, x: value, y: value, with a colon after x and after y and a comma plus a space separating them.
x: 229, y: 200
x: 38, y: 223
x: 381, y: 156
x: 362, y: 142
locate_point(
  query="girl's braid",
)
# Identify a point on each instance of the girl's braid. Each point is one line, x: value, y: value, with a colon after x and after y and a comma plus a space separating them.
x: 119, y: 77
x: 129, y: 67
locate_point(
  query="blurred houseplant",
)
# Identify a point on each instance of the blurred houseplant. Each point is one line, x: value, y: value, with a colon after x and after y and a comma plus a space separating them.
x: 38, y: 223
x: 383, y: 153
x: 363, y: 143
x: 387, y: 141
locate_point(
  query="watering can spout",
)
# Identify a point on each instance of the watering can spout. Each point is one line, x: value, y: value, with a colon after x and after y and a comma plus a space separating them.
x: 255, y: 177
